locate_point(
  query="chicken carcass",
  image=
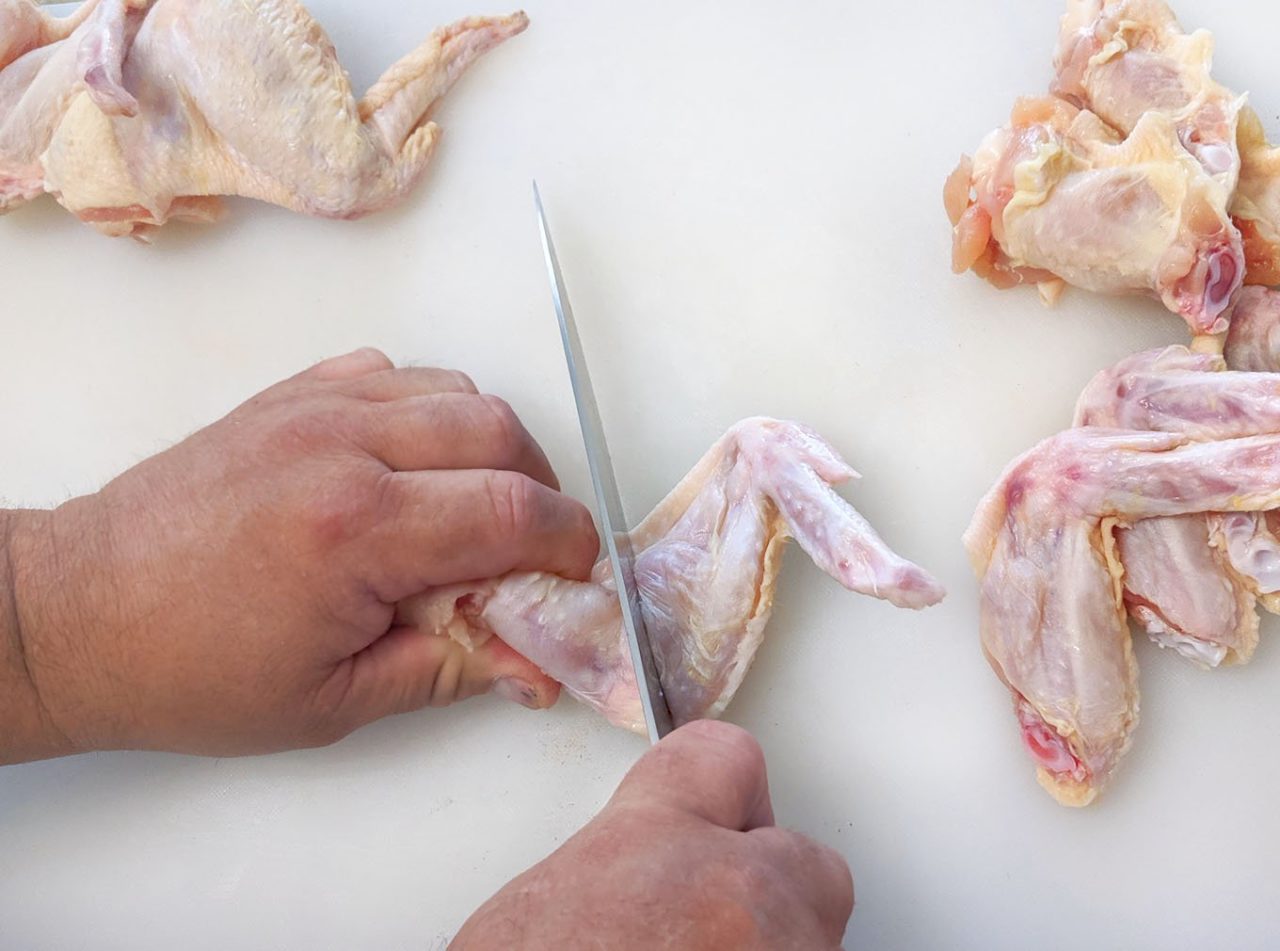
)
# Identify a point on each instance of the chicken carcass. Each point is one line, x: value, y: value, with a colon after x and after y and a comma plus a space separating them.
x: 1053, y: 623
x: 1193, y: 581
x: 1057, y: 195
x: 1125, y: 58
x: 707, y: 560
x: 135, y: 112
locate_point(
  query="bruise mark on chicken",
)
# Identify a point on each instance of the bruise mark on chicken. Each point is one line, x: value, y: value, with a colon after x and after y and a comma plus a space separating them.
x: 133, y: 113
x: 706, y: 567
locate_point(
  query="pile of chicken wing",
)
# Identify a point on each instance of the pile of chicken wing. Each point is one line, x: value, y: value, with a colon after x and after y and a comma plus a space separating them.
x: 1137, y: 173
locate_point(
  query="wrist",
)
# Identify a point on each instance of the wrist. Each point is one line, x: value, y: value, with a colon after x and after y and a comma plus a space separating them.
x: 28, y: 731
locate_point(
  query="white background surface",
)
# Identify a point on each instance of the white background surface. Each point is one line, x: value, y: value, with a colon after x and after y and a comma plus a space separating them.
x: 748, y: 208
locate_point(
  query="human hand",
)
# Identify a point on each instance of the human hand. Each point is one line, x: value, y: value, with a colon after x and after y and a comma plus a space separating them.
x: 685, y: 855
x: 236, y: 593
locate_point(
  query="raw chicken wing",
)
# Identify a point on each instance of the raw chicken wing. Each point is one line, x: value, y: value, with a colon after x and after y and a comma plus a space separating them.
x: 1057, y: 195
x: 134, y: 112
x: 707, y: 560
x: 1053, y: 625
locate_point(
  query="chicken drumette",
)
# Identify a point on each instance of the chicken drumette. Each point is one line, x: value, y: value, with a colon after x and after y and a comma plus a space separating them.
x: 707, y: 560
x: 134, y: 112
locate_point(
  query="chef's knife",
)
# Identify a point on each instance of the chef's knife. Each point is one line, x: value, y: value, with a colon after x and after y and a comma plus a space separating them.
x: 613, y: 523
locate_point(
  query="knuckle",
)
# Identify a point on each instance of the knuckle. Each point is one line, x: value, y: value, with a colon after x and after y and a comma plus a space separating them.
x: 373, y: 358
x: 812, y: 869
x: 514, y: 500
x: 733, y: 743
x: 302, y: 429
x: 462, y: 382
x: 504, y: 425
x: 340, y: 506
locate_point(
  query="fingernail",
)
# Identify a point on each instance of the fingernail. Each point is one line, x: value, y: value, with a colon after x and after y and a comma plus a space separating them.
x: 517, y: 691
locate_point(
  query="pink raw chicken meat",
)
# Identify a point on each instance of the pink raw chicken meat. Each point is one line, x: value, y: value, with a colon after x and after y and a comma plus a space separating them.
x: 1253, y: 342
x: 1193, y: 581
x: 135, y: 112
x: 707, y: 563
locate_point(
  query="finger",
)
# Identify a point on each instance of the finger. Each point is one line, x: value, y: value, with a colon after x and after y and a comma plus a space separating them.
x: 349, y: 366
x: 407, y: 670
x: 456, y: 431
x: 401, y: 382
x: 709, y: 769
x: 442, y: 527
x: 819, y: 876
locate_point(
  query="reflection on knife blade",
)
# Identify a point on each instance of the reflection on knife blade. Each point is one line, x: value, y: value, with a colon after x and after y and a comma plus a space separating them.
x: 657, y: 715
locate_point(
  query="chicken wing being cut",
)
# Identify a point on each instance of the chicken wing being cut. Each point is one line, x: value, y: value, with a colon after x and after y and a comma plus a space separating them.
x: 1125, y: 58
x: 1057, y: 194
x: 135, y: 112
x: 707, y: 560
x: 1042, y: 544
x: 1193, y: 581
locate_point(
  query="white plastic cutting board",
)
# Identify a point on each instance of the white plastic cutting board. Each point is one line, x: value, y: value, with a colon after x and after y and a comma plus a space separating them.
x: 746, y: 198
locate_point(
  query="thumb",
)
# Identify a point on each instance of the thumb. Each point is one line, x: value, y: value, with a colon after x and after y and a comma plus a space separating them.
x: 709, y: 769
x: 406, y: 669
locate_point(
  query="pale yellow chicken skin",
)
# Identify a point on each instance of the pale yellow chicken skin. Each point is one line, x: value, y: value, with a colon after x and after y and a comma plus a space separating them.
x: 707, y: 561
x: 1124, y: 59
x: 135, y: 112
x: 1058, y: 196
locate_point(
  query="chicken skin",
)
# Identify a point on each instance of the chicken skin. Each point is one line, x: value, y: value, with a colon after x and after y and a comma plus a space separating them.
x: 1257, y: 204
x: 135, y: 112
x: 1057, y: 195
x: 707, y: 560
x: 1125, y: 58
x: 1043, y: 545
